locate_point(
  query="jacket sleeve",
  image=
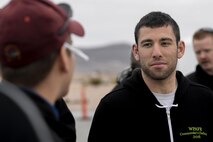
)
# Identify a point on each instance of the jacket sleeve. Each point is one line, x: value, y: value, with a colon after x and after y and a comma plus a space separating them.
x: 101, y: 130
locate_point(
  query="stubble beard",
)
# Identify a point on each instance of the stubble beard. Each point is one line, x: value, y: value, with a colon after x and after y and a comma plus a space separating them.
x: 158, y: 74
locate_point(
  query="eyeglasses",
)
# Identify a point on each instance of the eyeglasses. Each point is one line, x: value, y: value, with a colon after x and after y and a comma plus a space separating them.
x: 69, y: 12
x: 76, y: 51
x: 62, y: 30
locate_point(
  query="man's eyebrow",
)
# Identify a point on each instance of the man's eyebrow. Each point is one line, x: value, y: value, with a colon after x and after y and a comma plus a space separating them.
x: 145, y: 40
x: 166, y: 39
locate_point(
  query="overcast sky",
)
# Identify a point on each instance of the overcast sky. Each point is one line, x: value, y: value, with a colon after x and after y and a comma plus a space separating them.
x: 109, y: 21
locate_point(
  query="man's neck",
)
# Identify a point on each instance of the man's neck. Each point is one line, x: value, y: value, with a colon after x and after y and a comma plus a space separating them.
x: 163, y: 86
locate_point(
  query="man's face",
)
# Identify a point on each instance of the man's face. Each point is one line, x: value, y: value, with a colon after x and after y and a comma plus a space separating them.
x: 204, y: 53
x: 157, y: 52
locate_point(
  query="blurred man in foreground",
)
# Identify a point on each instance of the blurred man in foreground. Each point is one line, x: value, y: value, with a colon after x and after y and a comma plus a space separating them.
x: 36, y: 57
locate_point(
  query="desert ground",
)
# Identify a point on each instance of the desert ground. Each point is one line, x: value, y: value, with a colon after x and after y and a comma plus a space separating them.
x: 87, y: 90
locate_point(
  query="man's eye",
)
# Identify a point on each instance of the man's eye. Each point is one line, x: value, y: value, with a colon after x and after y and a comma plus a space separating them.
x: 146, y: 45
x: 207, y: 50
x: 197, y: 52
x: 165, y: 44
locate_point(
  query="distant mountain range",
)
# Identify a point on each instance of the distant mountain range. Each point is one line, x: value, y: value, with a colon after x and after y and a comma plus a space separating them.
x: 111, y: 58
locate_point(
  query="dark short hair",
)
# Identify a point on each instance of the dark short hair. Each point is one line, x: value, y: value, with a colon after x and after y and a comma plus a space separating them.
x: 32, y: 74
x: 203, y: 32
x: 157, y: 19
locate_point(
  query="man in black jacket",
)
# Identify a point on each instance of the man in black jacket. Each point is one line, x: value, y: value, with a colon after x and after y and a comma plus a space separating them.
x: 203, y: 48
x: 36, y: 56
x: 157, y: 103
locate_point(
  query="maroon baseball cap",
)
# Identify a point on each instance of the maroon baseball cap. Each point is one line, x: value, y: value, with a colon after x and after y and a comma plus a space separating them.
x: 30, y: 29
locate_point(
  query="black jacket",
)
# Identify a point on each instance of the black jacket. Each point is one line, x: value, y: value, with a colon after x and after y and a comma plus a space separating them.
x: 201, y: 77
x: 130, y: 114
x: 16, y: 127
x: 64, y: 125
x: 14, y: 124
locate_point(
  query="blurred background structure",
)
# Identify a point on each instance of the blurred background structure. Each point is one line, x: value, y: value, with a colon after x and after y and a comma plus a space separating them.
x: 113, y: 21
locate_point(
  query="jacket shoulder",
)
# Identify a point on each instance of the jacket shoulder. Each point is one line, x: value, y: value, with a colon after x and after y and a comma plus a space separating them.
x: 14, y: 123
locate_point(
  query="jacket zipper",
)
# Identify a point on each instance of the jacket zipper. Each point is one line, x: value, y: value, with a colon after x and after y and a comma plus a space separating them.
x: 169, y: 119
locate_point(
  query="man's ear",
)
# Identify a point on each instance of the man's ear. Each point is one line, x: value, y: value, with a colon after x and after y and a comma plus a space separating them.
x: 135, y: 52
x: 181, y: 49
x: 63, y: 60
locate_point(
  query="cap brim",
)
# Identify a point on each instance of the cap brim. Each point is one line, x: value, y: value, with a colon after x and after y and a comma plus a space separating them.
x: 76, y: 28
x: 76, y: 51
